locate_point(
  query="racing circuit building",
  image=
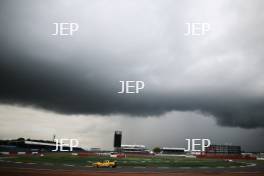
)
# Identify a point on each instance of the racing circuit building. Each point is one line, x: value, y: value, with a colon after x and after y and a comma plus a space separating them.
x: 22, y: 145
x: 223, y: 149
x: 134, y: 149
x: 172, y: 150
x: 224, y: 152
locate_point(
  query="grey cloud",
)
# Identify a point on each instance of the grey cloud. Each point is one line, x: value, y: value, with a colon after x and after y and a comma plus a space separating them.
x: 219, y: 74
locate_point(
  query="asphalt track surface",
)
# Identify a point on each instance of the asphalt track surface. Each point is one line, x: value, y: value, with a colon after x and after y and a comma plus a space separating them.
x: 33, y: 169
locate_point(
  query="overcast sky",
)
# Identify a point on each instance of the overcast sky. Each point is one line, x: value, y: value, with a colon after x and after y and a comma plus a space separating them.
x: 209, y: 86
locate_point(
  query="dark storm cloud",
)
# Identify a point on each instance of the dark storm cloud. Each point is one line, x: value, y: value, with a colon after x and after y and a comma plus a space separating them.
x: 221, y: 75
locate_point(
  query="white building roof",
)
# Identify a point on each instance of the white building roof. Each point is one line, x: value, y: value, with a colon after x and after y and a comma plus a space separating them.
x: 133, y: 146
x: 172, y: 148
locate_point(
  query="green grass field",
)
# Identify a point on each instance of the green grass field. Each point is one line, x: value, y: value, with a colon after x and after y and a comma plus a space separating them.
x: 62, y: 158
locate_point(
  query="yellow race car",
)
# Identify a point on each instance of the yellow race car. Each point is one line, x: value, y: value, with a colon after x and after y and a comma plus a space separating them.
x: 105, y: 164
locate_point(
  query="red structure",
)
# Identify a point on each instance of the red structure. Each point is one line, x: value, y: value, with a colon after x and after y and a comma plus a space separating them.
x: 225, y: 152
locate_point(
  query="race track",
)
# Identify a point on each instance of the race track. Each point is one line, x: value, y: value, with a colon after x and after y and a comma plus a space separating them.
x: 33, y: 169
